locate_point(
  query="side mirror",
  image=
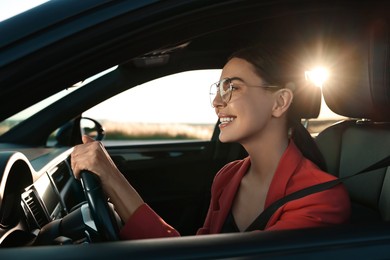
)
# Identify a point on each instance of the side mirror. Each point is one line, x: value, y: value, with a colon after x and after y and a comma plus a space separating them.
x: 92, y: 128
x: 71, y: 132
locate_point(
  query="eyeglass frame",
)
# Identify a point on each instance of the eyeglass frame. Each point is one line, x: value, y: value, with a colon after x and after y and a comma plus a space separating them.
x: 219, y: 87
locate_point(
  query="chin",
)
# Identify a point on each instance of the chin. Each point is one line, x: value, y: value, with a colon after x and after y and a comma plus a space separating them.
x: 224, y: 138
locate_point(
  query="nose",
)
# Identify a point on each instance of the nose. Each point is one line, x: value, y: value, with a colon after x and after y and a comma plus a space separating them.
x: 218, y: 102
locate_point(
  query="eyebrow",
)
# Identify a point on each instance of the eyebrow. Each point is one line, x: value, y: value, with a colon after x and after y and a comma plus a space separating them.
x: 237, y: 78
x: 243, y: 81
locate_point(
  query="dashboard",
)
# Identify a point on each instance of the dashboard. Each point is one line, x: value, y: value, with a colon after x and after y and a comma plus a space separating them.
x: 37, y: 188
x: 44, y: 200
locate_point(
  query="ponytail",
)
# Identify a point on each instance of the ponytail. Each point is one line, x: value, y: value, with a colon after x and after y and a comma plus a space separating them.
x: 306, y: 144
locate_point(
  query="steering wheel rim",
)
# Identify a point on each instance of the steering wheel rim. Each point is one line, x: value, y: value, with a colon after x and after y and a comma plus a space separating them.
x: 103, y: 217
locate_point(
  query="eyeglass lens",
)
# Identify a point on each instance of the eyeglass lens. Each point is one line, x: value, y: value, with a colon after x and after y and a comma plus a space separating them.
x: 222, y: 87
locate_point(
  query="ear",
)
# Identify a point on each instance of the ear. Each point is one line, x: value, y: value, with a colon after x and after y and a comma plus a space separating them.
x: 283, y: 100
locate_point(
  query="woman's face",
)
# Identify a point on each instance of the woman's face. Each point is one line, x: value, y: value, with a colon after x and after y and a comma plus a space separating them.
x: 249, y: 110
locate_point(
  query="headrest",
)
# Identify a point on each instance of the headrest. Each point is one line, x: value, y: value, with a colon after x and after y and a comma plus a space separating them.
x: 307, y: 101
x: 359, y: 86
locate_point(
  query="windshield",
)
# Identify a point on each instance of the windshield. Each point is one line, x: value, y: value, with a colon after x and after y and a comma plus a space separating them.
x: 14, y: 120
x: 28, y: 112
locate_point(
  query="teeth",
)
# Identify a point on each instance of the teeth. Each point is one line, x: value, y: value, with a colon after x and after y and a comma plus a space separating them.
x: 226, y: 119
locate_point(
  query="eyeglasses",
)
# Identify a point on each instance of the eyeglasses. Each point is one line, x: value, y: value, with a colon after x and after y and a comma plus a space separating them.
x: 225, y: 88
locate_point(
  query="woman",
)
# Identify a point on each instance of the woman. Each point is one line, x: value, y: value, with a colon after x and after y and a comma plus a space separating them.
x: 252, y: 103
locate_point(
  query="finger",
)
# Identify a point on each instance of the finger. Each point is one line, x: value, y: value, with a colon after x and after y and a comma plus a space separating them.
x: 76, y: 172
x: 87, y: 139
x: 75, y: 160
x: 74, y: 166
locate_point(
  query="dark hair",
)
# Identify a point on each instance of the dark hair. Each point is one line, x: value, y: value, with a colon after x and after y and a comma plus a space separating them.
x: 277, y: 67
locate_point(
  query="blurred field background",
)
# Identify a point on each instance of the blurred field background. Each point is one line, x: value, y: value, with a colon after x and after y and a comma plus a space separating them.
x: 144, y: 131
x: 173, y: 131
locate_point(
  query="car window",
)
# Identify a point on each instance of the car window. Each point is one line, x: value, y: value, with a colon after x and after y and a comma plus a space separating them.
x: 175, y: 107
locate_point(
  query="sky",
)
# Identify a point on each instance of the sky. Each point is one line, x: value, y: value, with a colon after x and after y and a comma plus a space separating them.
x: 9, y: 8
x: 188, y: 103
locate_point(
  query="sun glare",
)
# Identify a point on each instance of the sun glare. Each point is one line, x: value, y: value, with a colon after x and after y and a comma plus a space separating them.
x: 318, y: 76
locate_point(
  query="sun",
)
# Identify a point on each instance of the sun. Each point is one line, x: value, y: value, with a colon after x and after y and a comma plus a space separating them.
x: 317, y: 75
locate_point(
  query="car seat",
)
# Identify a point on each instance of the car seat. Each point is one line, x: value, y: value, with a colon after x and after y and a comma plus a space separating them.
x: 360, y: 90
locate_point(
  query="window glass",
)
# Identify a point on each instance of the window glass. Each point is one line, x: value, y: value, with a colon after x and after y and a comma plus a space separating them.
x: 175, y: 107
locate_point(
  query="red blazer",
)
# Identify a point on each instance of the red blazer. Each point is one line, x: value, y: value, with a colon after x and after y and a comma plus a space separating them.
x: 294, y: 172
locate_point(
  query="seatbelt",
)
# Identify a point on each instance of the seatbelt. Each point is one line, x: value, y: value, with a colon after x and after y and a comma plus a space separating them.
x: 261, y: 221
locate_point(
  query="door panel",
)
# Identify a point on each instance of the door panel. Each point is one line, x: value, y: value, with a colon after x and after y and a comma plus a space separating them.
x: 173, y: 178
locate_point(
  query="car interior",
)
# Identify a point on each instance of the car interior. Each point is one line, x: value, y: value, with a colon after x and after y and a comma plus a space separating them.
x: 175, y: 178
x: 354, y: 144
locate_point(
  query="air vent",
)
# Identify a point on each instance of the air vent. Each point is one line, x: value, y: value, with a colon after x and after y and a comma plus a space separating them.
x: 35, y: 208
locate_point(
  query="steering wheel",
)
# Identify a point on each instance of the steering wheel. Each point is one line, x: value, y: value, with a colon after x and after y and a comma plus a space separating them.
x: 103, y: 217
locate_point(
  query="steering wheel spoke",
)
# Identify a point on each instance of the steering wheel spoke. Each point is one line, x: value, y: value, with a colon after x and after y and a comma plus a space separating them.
x: 102, y: 215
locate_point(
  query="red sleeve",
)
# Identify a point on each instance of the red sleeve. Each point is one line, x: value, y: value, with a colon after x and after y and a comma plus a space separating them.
x: 145, y: 223
x: 206, y: 226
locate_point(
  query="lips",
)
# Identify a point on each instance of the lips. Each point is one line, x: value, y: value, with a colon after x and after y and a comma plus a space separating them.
x: 225, y: 120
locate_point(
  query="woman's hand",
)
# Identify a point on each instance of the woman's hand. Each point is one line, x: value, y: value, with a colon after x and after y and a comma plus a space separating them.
x: 93, y: 157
